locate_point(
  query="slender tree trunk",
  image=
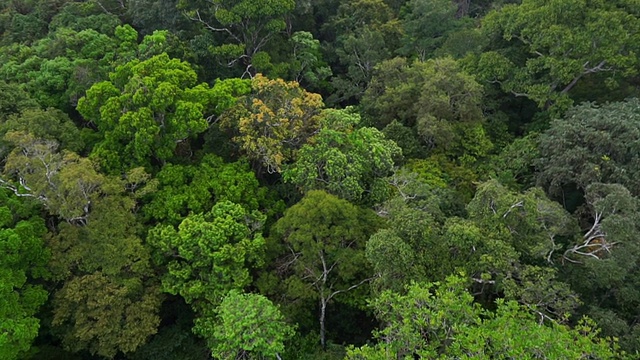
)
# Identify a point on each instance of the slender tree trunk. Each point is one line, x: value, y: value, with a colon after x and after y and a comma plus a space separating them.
x: 323, y: 311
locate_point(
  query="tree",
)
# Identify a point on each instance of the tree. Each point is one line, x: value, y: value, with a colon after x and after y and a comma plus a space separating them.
x: 509, y: 245
x: 365, y: 31
x: 274, y: 121
x: 63, y: 181
x: 109, y: 300
x: 150, y: 106
x: 344, y: 159
x: 410, y: 248
x: 322, y: 250
x: 99, y: 313
x: 50, y: 124
x: 548, y: 47
x: 58, y: 69
x: 601, y: 263
x: 247, y: 26
x: 247, y: 326
x: 441, y: 321
x: 23, y: 258
x: 183, y: 189
x: 591, y: 143
x: 436, y: 99
x: 209, y: 254
x: 308, y: 68
x: 529, y: 220
x: 426, y: 24
x: 14, y: 100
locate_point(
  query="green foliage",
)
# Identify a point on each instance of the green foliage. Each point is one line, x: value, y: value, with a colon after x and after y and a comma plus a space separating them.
x: 592, y: 144
x: 63, y: 181
x: 308, y: 67
x: 345, y: 160
x: 543, y: 48
x: 274, y: 121
x: 13, y: 100
x: 515, y: 164
x: 109, y: 301
x: 530, y: 220
x: 106, y: 315
x: 321, y: 259
x: 507, y: 236
x: 440, y: 321
x: 411, y: 248
x: 148, y: 107
x: 209, y: 254
x: 23, y: 258
x: 605, y: 257
x: 247, y: 326
x: 108, y: 243
x: 436, y: 99
x: 366, y: 29
x: 426, y: 24
x: 139, y: 171
x: 247, y: 25
x: 50, y: 124
x: 173, y: 342
x: 184, y: 189
x: 87, y: 15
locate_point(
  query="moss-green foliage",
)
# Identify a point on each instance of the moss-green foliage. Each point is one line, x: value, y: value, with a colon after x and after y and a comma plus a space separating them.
x: 541, y: 49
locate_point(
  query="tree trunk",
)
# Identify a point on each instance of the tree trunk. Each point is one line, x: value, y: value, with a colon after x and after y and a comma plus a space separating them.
x: 323, y: 311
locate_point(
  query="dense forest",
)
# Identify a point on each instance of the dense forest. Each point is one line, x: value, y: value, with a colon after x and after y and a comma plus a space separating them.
x: 326, y: 179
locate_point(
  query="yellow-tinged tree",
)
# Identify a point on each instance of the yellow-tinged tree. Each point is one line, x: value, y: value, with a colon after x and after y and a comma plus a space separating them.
x: 274, y: 121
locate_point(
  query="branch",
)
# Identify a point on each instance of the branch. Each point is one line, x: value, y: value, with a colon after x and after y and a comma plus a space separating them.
x: 518, y: 204
x: 597, y: 68
x: 212, y: 28
x: 350, y: 287
x: 481, y: 281
x: 9, y: 186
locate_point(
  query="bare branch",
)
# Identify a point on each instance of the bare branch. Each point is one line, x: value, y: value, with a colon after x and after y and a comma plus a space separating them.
x: 350, y: 287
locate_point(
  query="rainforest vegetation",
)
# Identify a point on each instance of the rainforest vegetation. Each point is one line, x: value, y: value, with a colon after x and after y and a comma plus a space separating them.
x: 319, y: 179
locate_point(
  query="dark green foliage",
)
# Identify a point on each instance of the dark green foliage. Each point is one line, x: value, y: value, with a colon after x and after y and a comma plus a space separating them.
x: 542, y: 49
x: 321, y: 258
x: 592, y: 143
x: 14, y: 100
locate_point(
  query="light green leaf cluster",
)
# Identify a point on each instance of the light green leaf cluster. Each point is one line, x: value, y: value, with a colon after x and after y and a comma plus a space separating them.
x: 441, y: 321
x: 210, y: 254
x: 22, y: 258
x: 246, y: 326
x: 148, y: 107
x: 345, y: 160
x: 184, y: 189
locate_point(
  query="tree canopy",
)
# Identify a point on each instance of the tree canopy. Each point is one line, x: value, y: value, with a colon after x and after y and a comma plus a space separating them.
x: 322, y: 180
